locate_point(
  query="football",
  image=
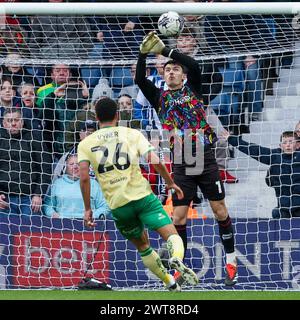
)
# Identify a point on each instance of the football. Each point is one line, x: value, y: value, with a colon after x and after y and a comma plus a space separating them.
x: 170, y: 24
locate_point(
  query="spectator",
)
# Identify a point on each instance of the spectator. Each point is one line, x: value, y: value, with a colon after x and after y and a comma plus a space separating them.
x: 12, y: 36
x: 72, y: 135
x: 120, y: 36
x: 242, y: 90
x: 60, y: 74
x: 7, y: 94
x: 126, y: 118
x: 131, y: 90
x: 25, y: 166
x: 60, y: 36
x: 125, y: 107
x: 29, y: 109
x: 231, y: 33
x: 253, y: 96
x: 227, y: 104
x: 283, y: 36
x: 65, y: 200
x: 237, y: 34
x: 115, y: 37
x: 86, y: 128
x: 14, y: 71
x: 283, y: 174
x: 194, y: 23
x: 58, y: 102
x: 101, y: 90
x: 83, y: 128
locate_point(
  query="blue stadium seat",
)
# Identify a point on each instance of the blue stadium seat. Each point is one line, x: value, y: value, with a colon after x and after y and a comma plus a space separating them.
x: 121, y: 77
x: 233, y: 78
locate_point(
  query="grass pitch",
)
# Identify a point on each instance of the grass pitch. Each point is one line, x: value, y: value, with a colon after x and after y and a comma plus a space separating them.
x: 146, y: 295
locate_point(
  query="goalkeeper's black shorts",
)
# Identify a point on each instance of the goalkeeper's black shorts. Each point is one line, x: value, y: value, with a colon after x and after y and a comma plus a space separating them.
x: 208, y: 181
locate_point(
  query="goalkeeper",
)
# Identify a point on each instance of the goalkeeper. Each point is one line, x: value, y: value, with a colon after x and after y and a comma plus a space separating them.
x: 180, y: 108
x: 114, y: 154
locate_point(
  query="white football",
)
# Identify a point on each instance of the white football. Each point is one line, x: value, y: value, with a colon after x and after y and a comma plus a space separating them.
x: 170, y: 24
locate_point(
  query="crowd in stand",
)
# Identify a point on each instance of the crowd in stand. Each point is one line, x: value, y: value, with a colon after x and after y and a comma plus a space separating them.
x: 45, y: 110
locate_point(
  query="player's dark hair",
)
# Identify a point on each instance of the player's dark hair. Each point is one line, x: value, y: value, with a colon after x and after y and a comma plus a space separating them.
x: 174, y: 62
x: 106, y: 109
x: 288, y: 134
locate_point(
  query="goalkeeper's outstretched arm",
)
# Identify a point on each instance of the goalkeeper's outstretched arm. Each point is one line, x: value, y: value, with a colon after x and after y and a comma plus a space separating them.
x: 153, y: 44
x: 150, y: 91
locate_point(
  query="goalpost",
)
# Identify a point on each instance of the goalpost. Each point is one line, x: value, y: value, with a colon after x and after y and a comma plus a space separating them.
x: 254, y: 47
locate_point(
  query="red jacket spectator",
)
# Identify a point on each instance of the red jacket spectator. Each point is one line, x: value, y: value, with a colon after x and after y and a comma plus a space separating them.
x: 12, y: 35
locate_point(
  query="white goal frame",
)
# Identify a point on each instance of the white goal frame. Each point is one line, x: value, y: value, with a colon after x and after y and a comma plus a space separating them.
x: 123, y: 8
x: 253, y: 256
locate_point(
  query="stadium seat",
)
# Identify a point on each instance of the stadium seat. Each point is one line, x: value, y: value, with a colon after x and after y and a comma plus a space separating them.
x: 121, y: 77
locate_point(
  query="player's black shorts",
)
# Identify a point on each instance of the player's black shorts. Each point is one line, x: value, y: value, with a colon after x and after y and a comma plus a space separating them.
x: 208, y: 181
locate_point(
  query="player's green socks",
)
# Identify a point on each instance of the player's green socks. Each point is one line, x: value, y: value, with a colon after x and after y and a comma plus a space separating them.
x: 152, y: 261
x: 175, y: 246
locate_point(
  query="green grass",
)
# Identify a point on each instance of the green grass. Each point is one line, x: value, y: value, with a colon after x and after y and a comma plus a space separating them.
x: 146, y: 295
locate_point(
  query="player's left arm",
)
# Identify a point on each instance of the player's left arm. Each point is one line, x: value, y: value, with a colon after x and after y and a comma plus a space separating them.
x: 85, y: 187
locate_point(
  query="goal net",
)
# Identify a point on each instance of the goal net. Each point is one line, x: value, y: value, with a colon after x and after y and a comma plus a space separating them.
x: 57, y: 62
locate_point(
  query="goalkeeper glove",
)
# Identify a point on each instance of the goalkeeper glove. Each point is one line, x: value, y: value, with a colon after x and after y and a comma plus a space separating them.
x: 152, y: 43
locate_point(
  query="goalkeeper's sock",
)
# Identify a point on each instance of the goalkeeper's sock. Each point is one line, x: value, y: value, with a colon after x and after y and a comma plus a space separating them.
x: 175, y: 246
x: 226, y: 235
x: 152, y: 261
x: 181, y: 229
x: 231, y: 258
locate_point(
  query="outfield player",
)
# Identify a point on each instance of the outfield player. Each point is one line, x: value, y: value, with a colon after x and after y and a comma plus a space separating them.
x: 180, y: 108
x: 114, y: 153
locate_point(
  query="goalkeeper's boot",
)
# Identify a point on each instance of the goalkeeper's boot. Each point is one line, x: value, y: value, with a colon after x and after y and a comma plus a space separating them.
x: 231, y: 274
x: 178, y: 278
x: 187, y: 274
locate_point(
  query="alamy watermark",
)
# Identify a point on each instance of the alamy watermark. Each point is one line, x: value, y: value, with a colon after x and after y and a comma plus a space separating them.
x: 183, y: 147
